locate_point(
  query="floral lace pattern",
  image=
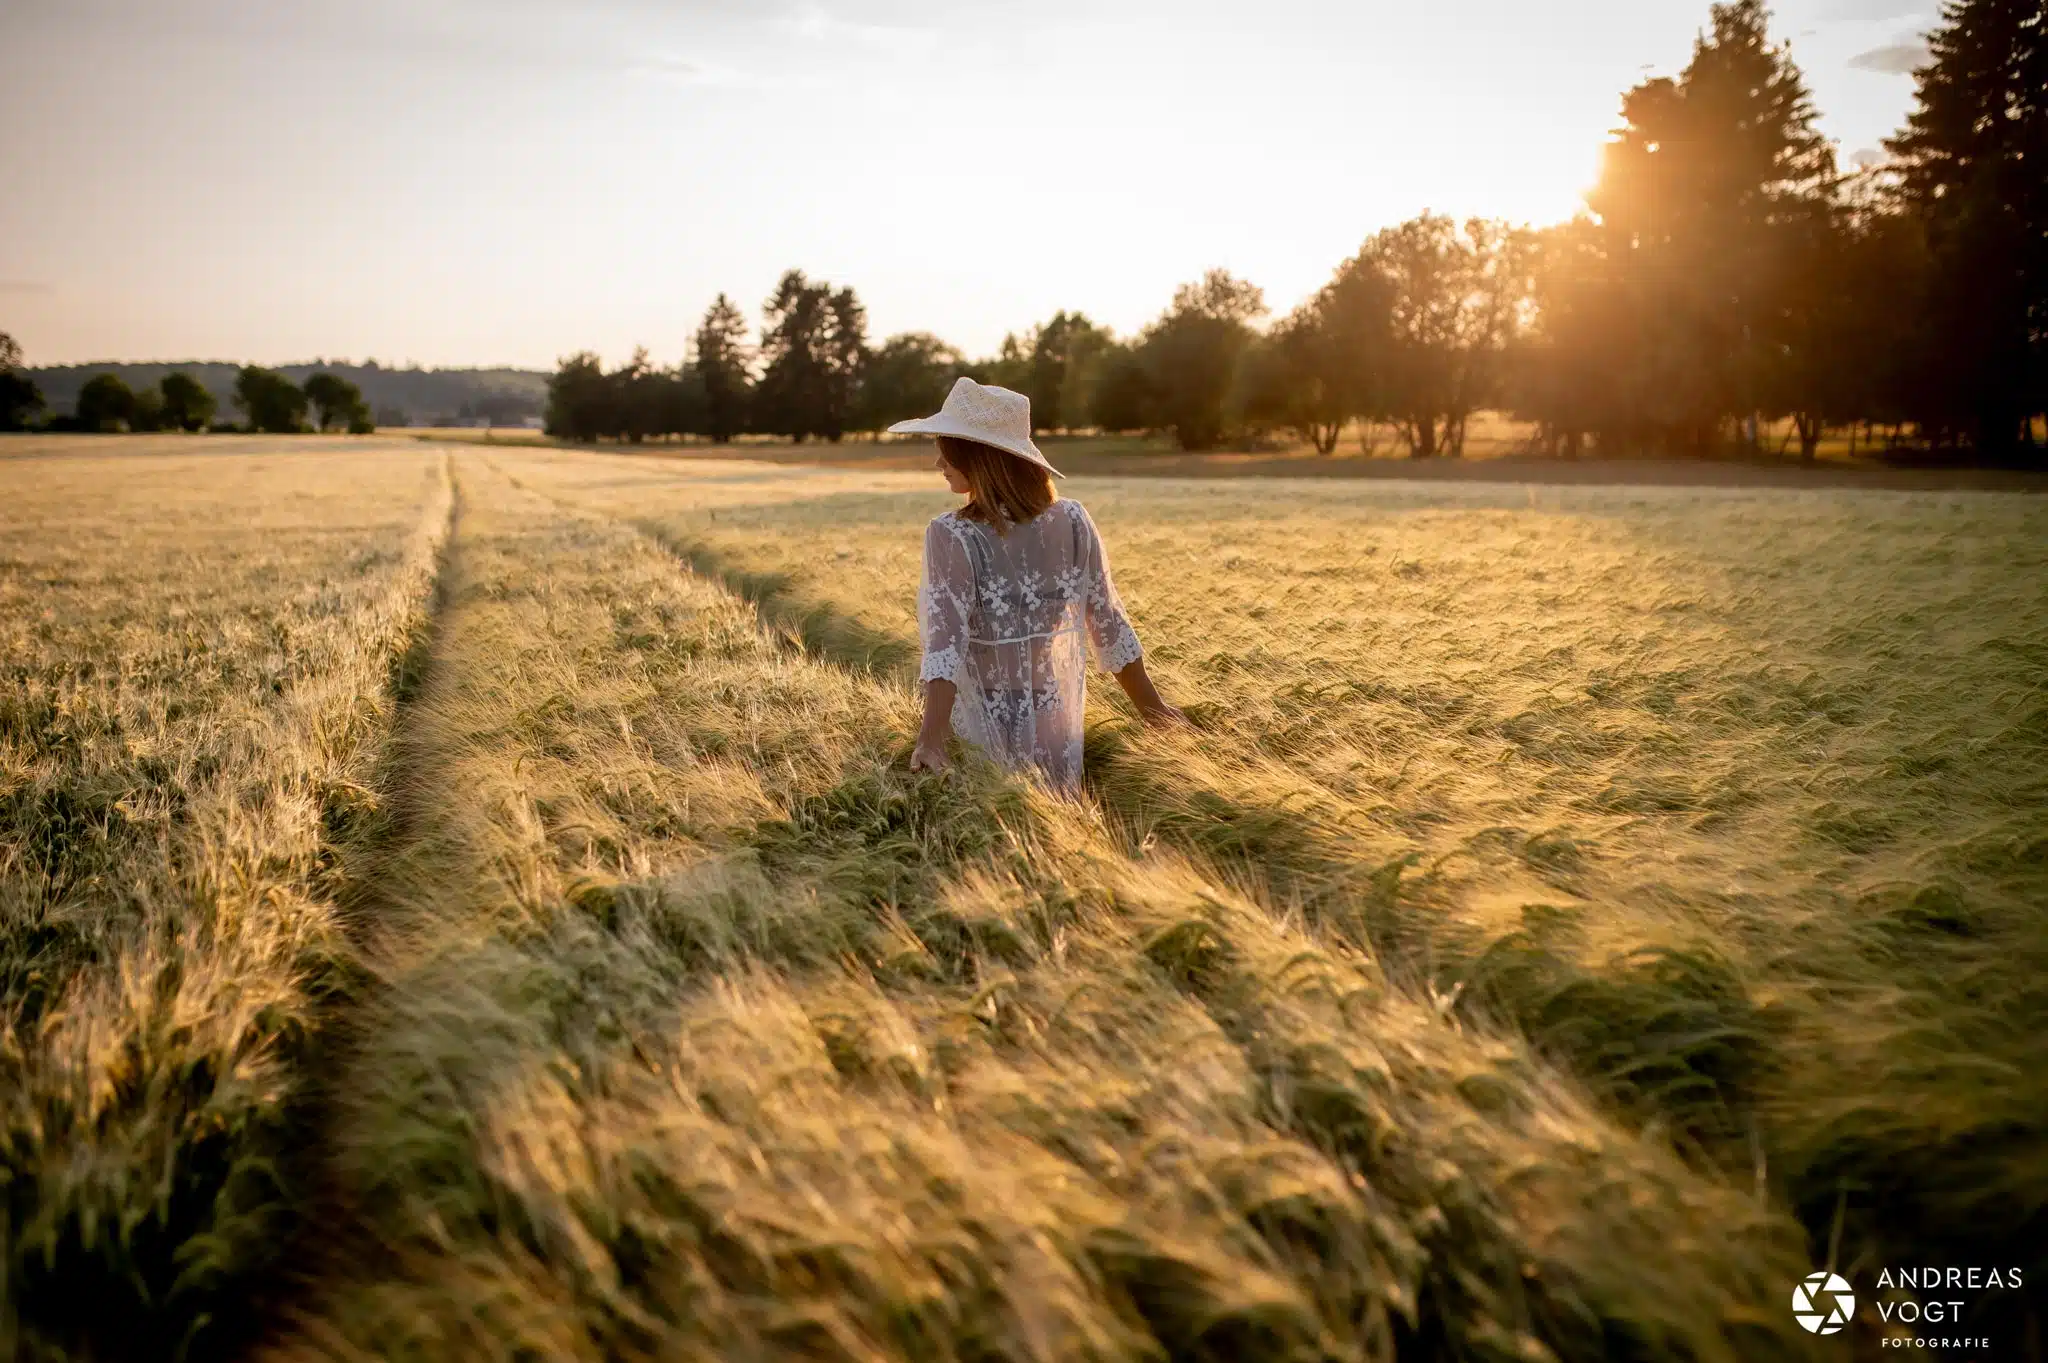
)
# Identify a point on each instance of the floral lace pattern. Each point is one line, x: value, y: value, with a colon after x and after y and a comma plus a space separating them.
x: 1009, y: 619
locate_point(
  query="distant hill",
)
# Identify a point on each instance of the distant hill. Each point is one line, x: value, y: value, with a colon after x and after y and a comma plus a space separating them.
x: 397, y: 397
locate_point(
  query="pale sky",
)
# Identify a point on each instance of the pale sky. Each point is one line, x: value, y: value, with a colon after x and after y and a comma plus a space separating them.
x: 461, y: 182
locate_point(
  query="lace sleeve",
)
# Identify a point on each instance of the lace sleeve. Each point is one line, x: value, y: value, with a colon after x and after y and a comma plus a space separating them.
x: 945, y: 598
x: 1110, y: 634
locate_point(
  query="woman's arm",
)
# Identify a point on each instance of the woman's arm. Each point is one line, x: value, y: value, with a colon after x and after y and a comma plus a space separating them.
x: 930, y: 753
x: 945, y: 596
x: 1109, y: 630
x: 1151, y: 707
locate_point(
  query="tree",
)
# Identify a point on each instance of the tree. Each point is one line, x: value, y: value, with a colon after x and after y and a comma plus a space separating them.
x: 813, y: 348
x: 1455, y: 301
x: 336, y: 402
x: 105, y: 404
x: 846, y: 358
x: 1288, y: 378
x: 1565, y: 363
x: 907, y: 376
x: 1326, y: 362
x: 272, y: 401
x: 1049, y: 368
x: 683, y: 407
x: 580, y: 399
x: 1191, y: 355
x: 634, y: 408
x: 1712, y: 198
x: 187, y: 405
x: 146, y: 412
x: 1123, y: 397
x: 20, y: 400
x: 723, y: 366
x: 1010, y: 368
x: 1973, y: 166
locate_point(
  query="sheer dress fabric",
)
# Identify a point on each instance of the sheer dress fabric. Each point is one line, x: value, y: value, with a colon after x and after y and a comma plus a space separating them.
x: 1010, y: 620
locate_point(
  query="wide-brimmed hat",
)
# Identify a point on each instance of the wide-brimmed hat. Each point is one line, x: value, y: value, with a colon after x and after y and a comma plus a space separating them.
x: 981, y: 411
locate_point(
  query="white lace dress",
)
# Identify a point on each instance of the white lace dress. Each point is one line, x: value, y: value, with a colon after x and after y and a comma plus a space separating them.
x: 1004, y: 618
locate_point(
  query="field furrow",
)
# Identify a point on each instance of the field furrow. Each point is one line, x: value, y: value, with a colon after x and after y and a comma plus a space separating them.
x: 1730, y: 803
x: 705, y: 1028
x: 199, y: 675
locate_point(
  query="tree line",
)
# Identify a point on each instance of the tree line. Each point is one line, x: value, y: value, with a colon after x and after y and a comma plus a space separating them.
x: 1728, y: 277
x: 179, y: 402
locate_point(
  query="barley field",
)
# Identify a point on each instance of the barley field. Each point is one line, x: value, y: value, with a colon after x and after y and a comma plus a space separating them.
x: 471, y: 903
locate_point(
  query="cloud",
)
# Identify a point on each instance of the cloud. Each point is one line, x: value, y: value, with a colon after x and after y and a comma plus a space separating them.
x: 1875, y: 11
x: 813, y: 23
x: 540, y: 37
x: 1895, y: 59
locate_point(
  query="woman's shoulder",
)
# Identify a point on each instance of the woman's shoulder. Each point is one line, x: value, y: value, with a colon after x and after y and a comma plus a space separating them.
x: 948, y: 527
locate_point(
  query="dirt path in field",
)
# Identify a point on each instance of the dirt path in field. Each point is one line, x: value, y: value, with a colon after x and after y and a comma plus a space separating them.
x: 324, y: 1232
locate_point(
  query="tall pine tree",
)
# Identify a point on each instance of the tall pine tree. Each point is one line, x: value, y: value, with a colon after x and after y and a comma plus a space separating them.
x: 1973, y: 163
x: 724, y: 368
x: 1711, y: 202
x: 791, y: 398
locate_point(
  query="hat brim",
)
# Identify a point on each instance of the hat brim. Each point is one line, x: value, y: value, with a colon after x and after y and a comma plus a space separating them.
x: 939, y: 425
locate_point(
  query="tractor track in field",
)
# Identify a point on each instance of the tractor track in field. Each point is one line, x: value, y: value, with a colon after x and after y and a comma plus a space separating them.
x: 325, y: 1229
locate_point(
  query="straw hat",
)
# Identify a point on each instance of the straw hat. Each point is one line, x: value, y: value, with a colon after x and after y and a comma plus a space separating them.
x: 981, y: 411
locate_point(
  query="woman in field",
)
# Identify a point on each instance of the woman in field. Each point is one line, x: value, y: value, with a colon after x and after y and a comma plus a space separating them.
x: 1014, y: 581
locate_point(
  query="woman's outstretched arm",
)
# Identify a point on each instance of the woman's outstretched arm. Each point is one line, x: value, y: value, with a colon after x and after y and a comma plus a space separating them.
x: 930, y: 754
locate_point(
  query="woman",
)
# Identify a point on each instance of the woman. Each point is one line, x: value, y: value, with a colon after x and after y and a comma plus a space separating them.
x: 1014, y: 581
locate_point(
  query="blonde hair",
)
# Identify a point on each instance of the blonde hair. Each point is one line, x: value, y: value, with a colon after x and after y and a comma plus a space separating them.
x: 1002, y: 490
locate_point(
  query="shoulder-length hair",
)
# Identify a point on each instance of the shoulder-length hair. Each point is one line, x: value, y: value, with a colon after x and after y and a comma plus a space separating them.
x: 1002, y: 490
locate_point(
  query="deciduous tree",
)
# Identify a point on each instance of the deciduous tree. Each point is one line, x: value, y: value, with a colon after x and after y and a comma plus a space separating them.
x: 908, y: 375
x: 336, y: 402
x: 187, y: 405
x: 21, y: 401
x: 1456, y: 299
x: 273, y: 402
x: 1190, y: 356
x: 105, y: 403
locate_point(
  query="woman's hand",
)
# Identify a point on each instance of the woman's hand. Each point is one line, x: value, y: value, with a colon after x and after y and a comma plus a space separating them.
x: 1162, y: 715
x: 930, y: 752
x: 1152, y: 708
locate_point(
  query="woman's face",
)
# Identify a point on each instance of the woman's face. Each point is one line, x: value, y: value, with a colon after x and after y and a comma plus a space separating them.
x: 955, y: 480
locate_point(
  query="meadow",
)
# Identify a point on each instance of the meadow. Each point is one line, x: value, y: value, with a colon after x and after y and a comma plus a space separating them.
x: 471, y: 902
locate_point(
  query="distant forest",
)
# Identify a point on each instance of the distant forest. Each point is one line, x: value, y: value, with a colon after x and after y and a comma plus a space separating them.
x: 395, y: 397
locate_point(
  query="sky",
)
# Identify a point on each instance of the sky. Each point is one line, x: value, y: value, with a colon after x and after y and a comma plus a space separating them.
x: 481, y: 182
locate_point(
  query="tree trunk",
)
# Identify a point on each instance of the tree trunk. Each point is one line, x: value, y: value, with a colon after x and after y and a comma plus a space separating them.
x: 1810, y: 431
x: 1422, y: 444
